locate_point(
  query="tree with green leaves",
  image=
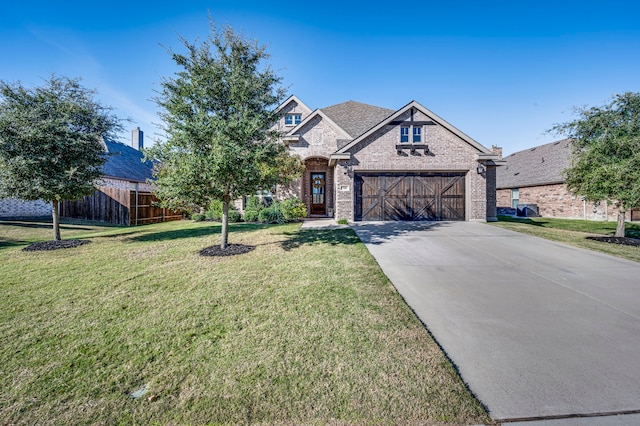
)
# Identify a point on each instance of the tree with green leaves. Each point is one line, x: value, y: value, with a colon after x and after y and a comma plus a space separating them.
x: 51, y: 141
x: 606, y: 154
x: 218, y: 110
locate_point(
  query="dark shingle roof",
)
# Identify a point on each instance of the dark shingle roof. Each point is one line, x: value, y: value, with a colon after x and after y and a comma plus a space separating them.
x: 540, y: 165
x: 125, y: 162
x: 355, y: 118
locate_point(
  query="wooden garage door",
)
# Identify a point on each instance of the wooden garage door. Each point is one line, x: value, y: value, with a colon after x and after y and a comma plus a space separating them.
x: 410, y: 196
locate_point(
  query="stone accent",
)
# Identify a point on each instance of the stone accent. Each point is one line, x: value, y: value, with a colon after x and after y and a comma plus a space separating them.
x: 317, y: 139
x: 14, y: 207
x: 555, y: 200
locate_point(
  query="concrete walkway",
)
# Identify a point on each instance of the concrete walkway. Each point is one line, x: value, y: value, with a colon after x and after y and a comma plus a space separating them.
x: 539, y: 331
x: 321, y: 223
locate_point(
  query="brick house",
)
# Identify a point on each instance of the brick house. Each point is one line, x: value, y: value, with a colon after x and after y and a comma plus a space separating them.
x: 364, y: 162
x: 535, y: 176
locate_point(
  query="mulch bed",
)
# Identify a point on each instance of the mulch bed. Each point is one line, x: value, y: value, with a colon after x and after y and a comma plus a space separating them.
x: 231, y: 250
x: 617, y: 240
x: 55, y: 245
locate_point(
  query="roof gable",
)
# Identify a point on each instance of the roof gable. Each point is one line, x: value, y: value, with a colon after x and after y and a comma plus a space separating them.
x: 296, y: 100
x: 125, y: 162
x: 319, y: 113
x: 435, y: 118
x: 355, y: 118
x: 540, y: 165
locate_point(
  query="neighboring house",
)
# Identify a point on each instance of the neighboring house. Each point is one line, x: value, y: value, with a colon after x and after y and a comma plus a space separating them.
x: 16, y: 208
x: 123, y: 197
x: 363, y: 162
x: 535, y: 176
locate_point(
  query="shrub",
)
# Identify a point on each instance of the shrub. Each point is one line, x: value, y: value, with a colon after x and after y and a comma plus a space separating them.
x: 214, y: 212
x: 293, y: 209
x: 255, y: 203
x: 198, y: 217
x: 343, y: 222
x: 271, y: 214
x: 250, y: 215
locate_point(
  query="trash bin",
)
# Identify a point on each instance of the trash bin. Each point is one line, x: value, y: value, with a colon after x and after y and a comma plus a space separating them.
x: 527, y: 210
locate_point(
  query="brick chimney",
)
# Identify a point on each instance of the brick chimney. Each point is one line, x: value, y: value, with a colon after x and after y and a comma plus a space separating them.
x: 137, y: 138
x: 497, y: 150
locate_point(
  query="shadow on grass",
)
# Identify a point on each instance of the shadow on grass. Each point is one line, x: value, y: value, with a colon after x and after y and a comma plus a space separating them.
x: 379, y: 232
x: 333, y: 237
x: 201, y: 231
x: 632, y: 230
x: 366, y: 232
x: 7, y: 243
x: 41, y: 225
x: 525, y: 221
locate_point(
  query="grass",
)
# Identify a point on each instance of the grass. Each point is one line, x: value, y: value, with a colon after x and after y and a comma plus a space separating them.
x: 137, y: 328
x: 575, y: 232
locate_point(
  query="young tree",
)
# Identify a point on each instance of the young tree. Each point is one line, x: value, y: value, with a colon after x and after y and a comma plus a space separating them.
x: 217, y: 112
x: 51, y: 141
x: 606, y: 154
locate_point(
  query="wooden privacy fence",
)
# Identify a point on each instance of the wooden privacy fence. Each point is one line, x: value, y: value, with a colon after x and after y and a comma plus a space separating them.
x: 144, y: 209
x: 118, y: 206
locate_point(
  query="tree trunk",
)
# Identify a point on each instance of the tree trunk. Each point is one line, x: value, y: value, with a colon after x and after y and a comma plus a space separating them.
x: 225, y: 224
x: 620, y: 226
x: 56, y: 220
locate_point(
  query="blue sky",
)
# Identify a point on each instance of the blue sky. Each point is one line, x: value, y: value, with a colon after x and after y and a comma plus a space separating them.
x: 503, y: 72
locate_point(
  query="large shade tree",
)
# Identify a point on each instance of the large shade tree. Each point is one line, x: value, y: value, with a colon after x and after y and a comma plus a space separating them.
x: 51, y: 141
x: 606, y: 154
x: 217, y: 112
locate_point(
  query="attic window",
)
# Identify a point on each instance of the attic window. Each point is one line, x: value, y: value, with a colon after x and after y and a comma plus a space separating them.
x: 404, y: 134
x: 414, y: 131
x: 292, y: 119
x: 417, y: 134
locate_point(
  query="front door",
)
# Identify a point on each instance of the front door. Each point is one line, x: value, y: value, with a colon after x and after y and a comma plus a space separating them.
x: 318, y: 199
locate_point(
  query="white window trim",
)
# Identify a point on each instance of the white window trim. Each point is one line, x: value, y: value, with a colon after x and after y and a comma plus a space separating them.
x: 515, y: 191
x: 296, y: 118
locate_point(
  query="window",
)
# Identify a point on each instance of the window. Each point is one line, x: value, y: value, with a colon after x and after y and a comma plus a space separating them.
x: 292, y: 119
x: 404, y: 134
x: 415, y: 131
x: 417, y: 134
x: 515, y: 198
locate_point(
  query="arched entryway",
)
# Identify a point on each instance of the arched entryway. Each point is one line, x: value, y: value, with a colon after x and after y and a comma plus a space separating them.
x: 317, y: 187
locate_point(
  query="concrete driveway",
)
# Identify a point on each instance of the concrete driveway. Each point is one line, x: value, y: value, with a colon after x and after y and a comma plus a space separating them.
x: 537, y: 329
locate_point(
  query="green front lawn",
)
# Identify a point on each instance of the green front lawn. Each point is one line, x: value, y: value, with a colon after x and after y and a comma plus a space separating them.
x: 575, y: 232
x: 136, y: 327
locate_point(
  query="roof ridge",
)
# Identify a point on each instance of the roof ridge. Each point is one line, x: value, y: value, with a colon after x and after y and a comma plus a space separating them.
x: 533, y: 148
